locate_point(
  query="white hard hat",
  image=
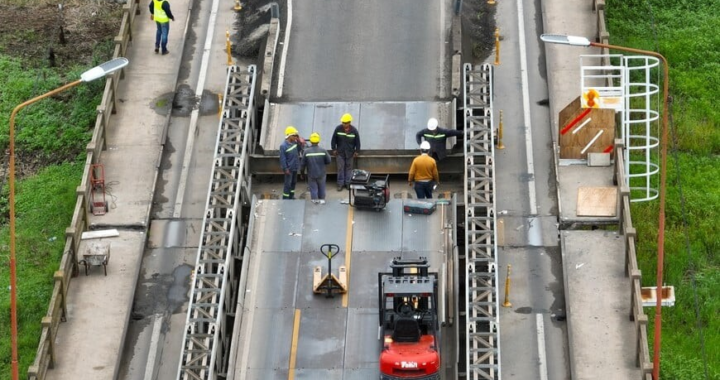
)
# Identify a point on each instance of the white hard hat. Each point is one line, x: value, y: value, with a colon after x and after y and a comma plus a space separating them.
x: 432, y: 123
x: 425, y: 145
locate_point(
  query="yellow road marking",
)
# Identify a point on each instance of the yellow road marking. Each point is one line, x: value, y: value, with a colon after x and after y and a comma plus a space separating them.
x: 293, y: 345
x: 348, y: 253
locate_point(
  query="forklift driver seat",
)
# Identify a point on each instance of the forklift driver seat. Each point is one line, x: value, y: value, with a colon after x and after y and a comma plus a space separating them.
x: 406, y: 330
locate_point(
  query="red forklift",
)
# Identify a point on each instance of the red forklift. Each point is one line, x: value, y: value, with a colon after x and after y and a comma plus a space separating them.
x: 408, y: 321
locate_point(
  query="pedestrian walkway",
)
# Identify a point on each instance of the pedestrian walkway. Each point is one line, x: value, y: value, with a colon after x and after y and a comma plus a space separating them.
x: 89, y: 345
x: 601, y: 336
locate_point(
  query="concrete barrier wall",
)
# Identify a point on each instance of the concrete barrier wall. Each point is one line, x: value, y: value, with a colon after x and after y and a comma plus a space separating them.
x: 57, y: 310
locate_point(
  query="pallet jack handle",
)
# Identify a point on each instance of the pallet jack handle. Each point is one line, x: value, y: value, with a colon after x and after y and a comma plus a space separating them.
x: 329, y: 251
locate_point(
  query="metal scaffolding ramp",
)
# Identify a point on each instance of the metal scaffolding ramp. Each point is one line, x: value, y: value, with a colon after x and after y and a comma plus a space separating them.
x: 482, y: 343
x: 206, y: 340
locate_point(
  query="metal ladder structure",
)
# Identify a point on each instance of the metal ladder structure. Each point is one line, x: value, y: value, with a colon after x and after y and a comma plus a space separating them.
x: 206, y: 340
x: 482, y: 343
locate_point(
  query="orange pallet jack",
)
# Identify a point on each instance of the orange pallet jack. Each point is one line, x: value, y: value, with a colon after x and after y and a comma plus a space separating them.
x: 98, y: 204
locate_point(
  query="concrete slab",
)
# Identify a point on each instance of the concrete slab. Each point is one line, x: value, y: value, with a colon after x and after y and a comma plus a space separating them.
x: 393, y: 124
x: 597, y: 295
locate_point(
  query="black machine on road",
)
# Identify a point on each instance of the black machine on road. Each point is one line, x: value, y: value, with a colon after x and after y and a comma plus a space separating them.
x: 369, y: 191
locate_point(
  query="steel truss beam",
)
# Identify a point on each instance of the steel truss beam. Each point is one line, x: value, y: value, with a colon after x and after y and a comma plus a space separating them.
x: 206, y: 340
x: 482, y: 344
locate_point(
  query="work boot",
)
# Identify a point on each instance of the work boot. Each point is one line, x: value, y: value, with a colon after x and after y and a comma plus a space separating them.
x: 339, y: 187
x: 165, y: 52
x: 322, y: 201
x: 157, y: 50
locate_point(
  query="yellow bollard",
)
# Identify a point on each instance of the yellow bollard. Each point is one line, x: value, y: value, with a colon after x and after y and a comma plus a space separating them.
x: 228, y: 48
x: 507, y: 289
x: 500, y: 144
x: 238, y: 6
x: 491, y: 2
x: 497, y: 46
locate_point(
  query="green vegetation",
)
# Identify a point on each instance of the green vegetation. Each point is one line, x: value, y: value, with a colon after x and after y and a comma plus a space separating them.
x: 50, y: 139
x: 685, y: 32
x: 44, y: 207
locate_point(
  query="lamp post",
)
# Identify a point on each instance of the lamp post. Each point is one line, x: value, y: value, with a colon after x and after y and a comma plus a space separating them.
x: 582, y: 41
x: 90, y: 75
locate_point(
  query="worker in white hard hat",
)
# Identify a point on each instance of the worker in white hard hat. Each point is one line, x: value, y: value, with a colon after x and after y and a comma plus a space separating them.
x: 437, y: 137
x: 345, y: 144
x: 314, y: 160
x: 423, y: 174
x: 290, y: 153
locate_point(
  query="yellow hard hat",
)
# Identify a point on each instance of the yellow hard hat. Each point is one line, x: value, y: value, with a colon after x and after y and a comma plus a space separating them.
x: 290, y: 130
x: 315, y: 138
x: 347, y: 118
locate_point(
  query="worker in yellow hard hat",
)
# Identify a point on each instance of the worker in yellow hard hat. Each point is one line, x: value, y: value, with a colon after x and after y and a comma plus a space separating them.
x: 314, y: 160
x: 290, y: 152
x: 345, y: 145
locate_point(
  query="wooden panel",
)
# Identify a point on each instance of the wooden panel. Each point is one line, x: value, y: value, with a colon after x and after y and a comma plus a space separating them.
x: 576, y: 138
x: 597, y: 201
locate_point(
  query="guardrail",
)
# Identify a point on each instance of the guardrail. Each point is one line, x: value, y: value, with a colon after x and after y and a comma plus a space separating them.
x: 642, y: 351
x: 57, y: 310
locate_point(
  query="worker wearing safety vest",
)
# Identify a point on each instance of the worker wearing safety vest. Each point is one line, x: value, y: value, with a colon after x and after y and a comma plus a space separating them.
x: 315, y: 159
x: 161, y: 14
x: 290, y: 153
x: 345, y: 144
x: 423, y: 173
x: 436, y: 137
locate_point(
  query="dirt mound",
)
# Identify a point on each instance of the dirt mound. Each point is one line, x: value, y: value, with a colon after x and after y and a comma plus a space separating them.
x: 54, y: 35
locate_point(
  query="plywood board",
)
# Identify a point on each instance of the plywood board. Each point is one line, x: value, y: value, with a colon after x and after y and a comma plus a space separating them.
x: 597, y: 201
x: 593, y: 133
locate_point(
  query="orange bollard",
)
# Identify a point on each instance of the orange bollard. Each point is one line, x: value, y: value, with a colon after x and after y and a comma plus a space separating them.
x: 497, y: 46
x: 507, y: 289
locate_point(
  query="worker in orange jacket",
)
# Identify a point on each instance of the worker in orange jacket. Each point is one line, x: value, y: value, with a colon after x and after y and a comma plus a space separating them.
x: 423, y: 173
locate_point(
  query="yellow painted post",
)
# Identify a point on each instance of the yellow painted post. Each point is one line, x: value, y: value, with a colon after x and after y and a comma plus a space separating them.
x: 491, y: 2
x: 507, y: 289
x: 228, y: 48
x: 238, y: 6
x: 500, y: 144
x: 497, y: 46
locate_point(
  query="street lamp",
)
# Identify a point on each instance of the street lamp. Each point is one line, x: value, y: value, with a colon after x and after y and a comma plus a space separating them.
x: 90, y: 75
x: 582, y: 41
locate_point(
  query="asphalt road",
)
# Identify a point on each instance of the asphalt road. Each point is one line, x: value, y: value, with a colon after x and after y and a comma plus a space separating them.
x: 533, y: 331
x: 373, y: 50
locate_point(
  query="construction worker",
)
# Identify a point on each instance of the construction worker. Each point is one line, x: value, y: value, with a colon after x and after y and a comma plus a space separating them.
x: 315, y: 159
x: 423, y: 173
x: 345, y: 145
x: 290, y: 153
x: 161, y: 14
x: 436, y: 137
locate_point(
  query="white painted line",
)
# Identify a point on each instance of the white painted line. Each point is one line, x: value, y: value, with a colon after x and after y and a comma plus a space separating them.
x: 582, y: 125
x: 542, y: 357
x: 526, y: 110
x: 286, y: 46
x: 192, y: 129
x: 155, y: 349
x: 591, y: 142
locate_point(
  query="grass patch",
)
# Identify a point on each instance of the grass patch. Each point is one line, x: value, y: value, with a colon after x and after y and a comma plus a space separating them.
x: 686, y: 34
x: 44, y: 207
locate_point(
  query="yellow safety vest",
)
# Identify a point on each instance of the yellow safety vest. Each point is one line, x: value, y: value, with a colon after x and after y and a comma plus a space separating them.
x: 159, y: 14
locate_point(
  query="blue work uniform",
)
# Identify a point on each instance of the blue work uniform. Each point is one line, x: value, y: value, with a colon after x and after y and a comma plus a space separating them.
x: 290, y: 153
x: 437, y: 140
x: 314, y: 160
x: 346, y: 144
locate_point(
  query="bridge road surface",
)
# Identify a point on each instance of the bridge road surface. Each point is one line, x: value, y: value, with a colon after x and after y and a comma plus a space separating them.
x: 534, y: 335
x: 371, y: 50
x: 288, y: 331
